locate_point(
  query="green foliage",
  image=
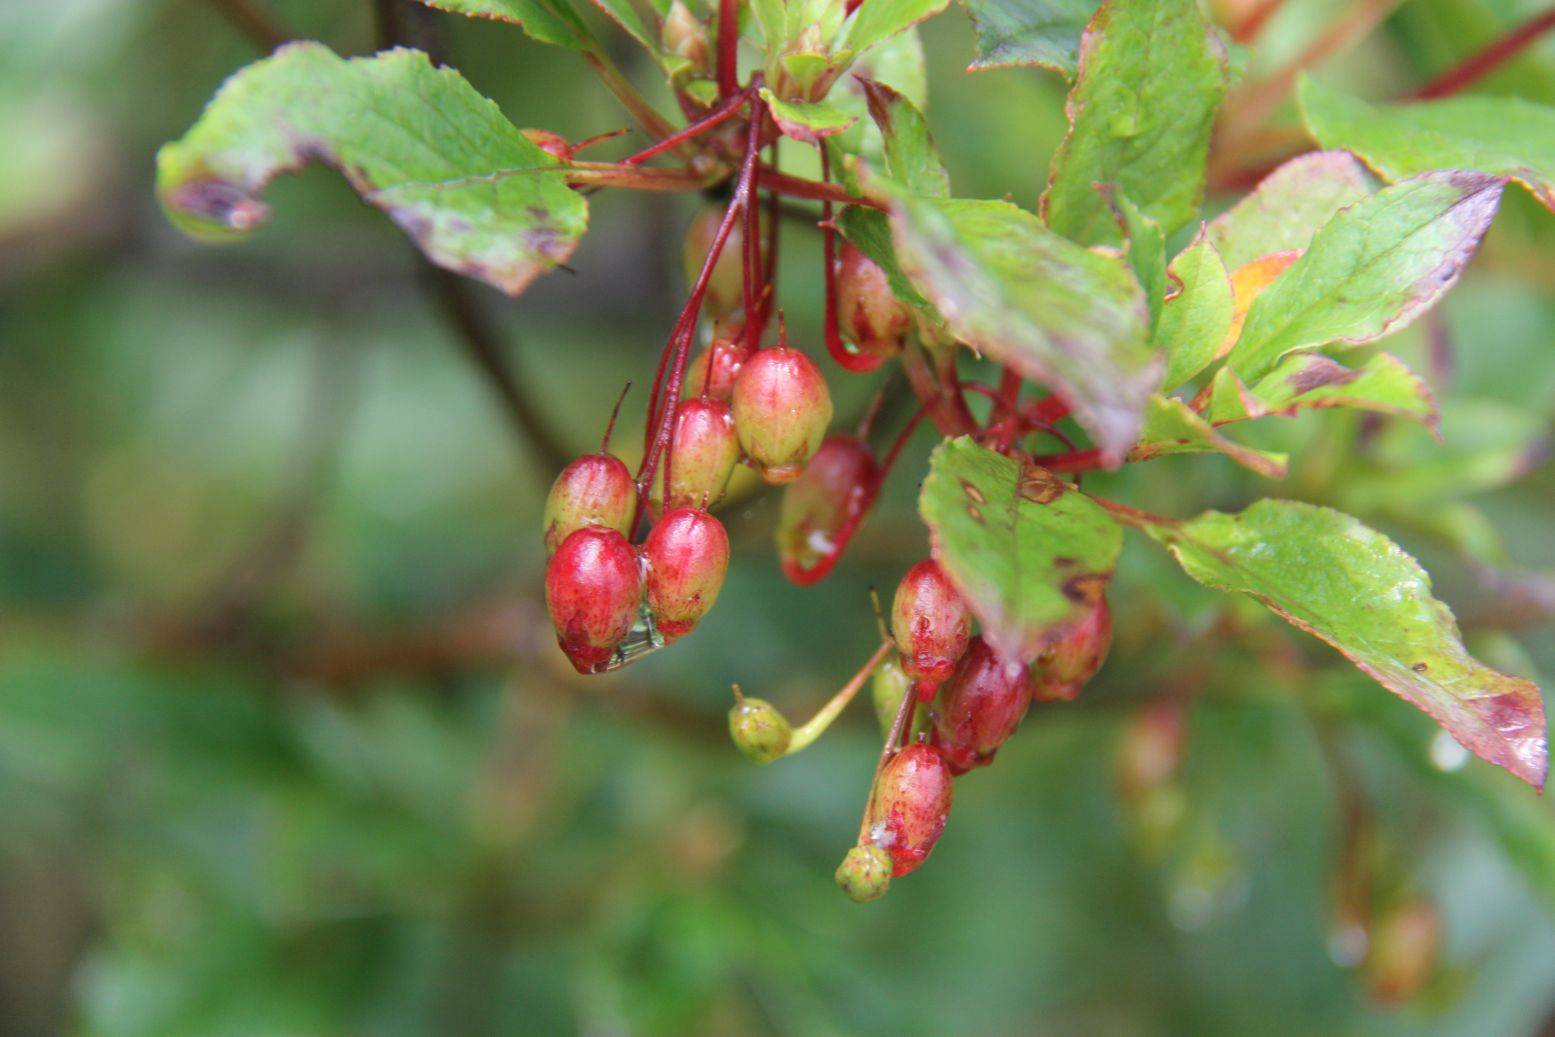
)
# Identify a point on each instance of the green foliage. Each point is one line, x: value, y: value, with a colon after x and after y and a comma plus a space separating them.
x: 1152, y: 73
x: 1196, y: 315
x: 475, y: 195
x: 1288, y: 206
x: 1043, y: 33
x: 1027, y: 550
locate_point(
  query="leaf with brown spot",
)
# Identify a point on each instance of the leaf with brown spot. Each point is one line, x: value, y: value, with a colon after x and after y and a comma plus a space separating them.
x: 1349, y: 585
x: 1029, y: 551
x: 416, y: 141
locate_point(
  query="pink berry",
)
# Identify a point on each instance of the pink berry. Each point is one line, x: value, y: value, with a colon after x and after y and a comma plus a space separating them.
x: 823, y: 507
x: 594, y: 490
x: 1065, y: 665
x: 713, y: 371
x: 870, y: 313
x: 781, y: 410
x: 687, y: 554
x: 553, y: 144
x: 910, y: 804
x: 983, y: 703
x: 593, y: 587
x: 931, y: 624
x: 703, y: 453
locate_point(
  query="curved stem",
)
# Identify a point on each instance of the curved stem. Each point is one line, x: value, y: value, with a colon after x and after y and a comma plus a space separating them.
x: 799, y: 187
x: 725, y: 111
x: 805, y: 735
x: 1475, y: 67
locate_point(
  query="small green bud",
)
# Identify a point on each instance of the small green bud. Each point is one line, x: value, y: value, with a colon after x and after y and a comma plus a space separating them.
x: 865, y: 873
x: 888, y: 687
x: 760, y: 731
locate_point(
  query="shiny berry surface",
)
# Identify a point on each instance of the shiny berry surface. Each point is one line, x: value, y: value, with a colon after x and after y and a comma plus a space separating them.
x: 593, y: 587
x: 685, y: 556
x: 1064, y: 666
x: 822, y: 508
x: 703, y: 453
x: 781, y: 410
x: 870, y: 314
x: 980, y: 706
x: 594, y: 490
x: 931, y: 623
x: 910, y: 805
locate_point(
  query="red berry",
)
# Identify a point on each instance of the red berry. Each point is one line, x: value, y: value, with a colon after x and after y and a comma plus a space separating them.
x: 1065, y: 665
x: 553, y: 144
x: 713, y: 371
x: 870, y: 313
x: 687, y: 554
x: 931, y: 623
x: 781, y: 410
x: 822, y: 508
x: 983, y: 703
x: 593, y: 587
x: 911, y: 801
x: 594, y: 490
x: 703, y: 453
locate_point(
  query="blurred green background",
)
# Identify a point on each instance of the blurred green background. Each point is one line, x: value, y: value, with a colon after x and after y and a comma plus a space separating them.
x: 286, y: 747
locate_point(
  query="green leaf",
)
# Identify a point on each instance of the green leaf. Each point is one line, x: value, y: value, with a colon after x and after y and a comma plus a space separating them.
x: 1382, y: 384
x: 1145, y: 247
x: 1059, y: 314
x: 1029, y: 551
x: 1040, y: 33
x: 1152, y: 74
x: 549, y: 21
x: 1500, y: 136
x: 911, y: 159
x: 1331, y: 576
x: 870, y: 232
x: 1196, y: 318
x: 1289, y: 206
x: 417, y: 142
x: 881, y: 19
x: 1172, y: 427
x: 806, y: 121
x: 1372, y: 269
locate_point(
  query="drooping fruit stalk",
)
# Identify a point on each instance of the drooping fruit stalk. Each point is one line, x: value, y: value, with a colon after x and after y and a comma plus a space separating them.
x: 781, y: 410
x: 870, y: 313
x: 685, y: 556
x: 702, y: 455
x: 911, y: 801
x: 594, y: 490
x: 932, y: 625
x: 981, y: 705
x: 822, y: 508
x: 593, y: 588
x: 1065, y: 665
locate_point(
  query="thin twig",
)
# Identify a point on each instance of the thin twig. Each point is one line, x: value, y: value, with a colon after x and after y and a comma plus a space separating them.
x: 1475, y: 67
x: 256, y: 24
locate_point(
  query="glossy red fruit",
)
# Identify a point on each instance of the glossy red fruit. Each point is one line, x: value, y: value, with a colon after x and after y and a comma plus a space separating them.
x: 871, y: 315
x: 931, y: 624
x: 1064, y: 666
x: 713, y: 371
x: 981, y: 705
x: 594, y: 490
x: 781, y: 410
x: 822, y: 508
x: 703, y: 452
x: 553, y: 144
x: 908, y: 811
x: 686, y: 556
x: 593, y: 587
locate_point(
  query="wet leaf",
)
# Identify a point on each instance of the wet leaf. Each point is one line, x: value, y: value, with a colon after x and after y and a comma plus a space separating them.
x: 416, y: 141
x: 911, y: 159
x: 1064, y: 316
x: 1145, y: 247
x: 1330, y: 575
x: 549, y: 21
x: 1171, y: 427
x: 1152, y: 74
x: 806, y: 121
x: 1196, y: 316
x: 1289, y: 206
x: 1030, y: 552
x: 1382, y: 384
x: 881, y: 19
x: 1499, y: 136
x: 1372, y: 269
x: 1040, y: 33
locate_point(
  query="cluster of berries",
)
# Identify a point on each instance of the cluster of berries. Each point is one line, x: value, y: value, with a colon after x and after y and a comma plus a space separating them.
x: 975, y: 698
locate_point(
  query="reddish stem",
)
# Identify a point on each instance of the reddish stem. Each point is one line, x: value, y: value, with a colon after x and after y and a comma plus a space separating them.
x: 1474, y: 68
x: 1073, y: 461
x: 799, y: 187
x: 721, y: 114
x: 1255, y: 21
x: 728, y: 47
x: 751, y: 266
x: 615, y: 412
x: 1046, y: 411
x: 774, y: 223
x: 930, y: 394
